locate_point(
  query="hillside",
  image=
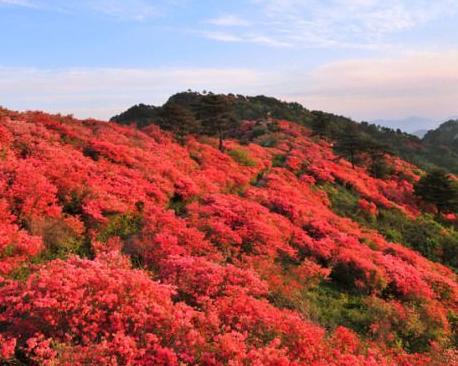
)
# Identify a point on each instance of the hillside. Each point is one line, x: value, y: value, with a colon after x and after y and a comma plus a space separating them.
x: 425, y: 153
x: 445, y: 136
x: 126, y: 246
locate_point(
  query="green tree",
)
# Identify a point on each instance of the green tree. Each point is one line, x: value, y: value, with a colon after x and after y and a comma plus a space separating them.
x: 321, y: 124
x: 215, y: 113
x: 378, y: 166
x: 439, y: 189
x: 350, y: 144
x: 179, y: 120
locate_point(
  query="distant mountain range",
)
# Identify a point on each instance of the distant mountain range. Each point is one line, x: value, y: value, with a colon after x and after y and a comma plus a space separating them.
x: 414, y: 125
x: 420, y: 133
x: 409, y: 124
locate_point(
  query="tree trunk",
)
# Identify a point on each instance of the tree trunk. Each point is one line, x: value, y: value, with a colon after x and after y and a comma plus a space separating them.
x: 221, y: 143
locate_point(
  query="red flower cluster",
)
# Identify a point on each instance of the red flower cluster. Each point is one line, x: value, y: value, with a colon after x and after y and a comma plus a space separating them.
x: 227, y: 251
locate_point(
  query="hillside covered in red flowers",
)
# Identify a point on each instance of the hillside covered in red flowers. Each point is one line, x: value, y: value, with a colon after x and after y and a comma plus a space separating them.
x: 120, y: 246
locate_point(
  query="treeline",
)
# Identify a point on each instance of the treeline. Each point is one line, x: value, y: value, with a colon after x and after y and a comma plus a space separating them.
x: 192, y: 112
x: 212, y: 114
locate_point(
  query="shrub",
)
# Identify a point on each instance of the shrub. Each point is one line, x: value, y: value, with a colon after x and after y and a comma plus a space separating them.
x: 279, y: 160
x: 121, y: 225
x: 241, y: 157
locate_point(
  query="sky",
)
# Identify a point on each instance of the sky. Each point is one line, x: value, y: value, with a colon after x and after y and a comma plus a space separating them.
x: 365, y: 59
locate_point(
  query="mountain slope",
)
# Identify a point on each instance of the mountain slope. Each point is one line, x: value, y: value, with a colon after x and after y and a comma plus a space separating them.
x: 446, y: 135
x: 407, y: 146
x: 120, y: 246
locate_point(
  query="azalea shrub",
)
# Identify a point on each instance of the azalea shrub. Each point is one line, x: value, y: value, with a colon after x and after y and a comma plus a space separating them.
x: 121, y: 246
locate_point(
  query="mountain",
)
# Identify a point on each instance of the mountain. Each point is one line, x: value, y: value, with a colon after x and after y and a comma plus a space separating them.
x: 420, y: 133
x: 407, y: 146
x: 445, y: 136
x: 245, y: 107
x: 408, y: 124
x: 130, y: 246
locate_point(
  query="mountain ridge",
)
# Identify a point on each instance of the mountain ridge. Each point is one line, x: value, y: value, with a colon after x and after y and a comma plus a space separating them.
x: 409, y: 147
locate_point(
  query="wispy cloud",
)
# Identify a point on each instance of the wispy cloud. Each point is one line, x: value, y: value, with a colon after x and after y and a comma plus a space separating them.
x: 229, y: 21
x: 103, y: 92
x: 423, y: 84
x: 365, y: 24
x: 22, y: 3
x: 137, y: 10
x: 417, y: 83
x: 245, y: 38
x: 132, y: 9
x: 223, y: 36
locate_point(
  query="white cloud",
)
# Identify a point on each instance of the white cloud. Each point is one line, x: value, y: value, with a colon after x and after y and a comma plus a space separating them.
x: 245, y: 38
x: 223, y: 36
x: 424, y: 84
x: 132, y: 9
x: 229, y: 21
x: 137, y: 10
x: 365, y: 24
x: 103, y: 92
x: 23, y: 3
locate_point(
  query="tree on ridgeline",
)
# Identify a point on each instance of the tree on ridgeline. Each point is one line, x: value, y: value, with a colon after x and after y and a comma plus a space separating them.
x: 350, y: 145
x: 321, y: 124
x: 179, y: 120
x: 439, y: 189
x: 215, y: 113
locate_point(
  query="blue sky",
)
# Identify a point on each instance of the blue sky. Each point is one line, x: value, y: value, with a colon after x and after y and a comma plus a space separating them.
x: 362, y: 58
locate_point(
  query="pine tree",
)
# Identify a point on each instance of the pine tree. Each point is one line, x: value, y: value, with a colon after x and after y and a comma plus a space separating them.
x: 439, y: 189
x: 350, y: 144
x: 321, y: 124
x: 378, y: 166
x: 179, y: 120
x: 215, y: 113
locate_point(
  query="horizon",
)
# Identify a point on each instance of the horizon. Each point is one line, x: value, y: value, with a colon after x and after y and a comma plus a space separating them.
x: 364, y: 59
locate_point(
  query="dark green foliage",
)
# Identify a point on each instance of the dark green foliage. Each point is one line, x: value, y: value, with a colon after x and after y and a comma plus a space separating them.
x: 178, y: 204
x: 439, y: 189
x: 430, y: 153
x: 262, y: 107
x: 379, y: 168
x: 321, y: 124
x: 438, y: 149
x: 445, y: 135
x: 278, y: 160
x: 215, y: 113
x: 243, y: 108
x: 358, y: 147
x: 350, y: 145
x: 142, y: 115
x: 90, y: 152
x: 258, y: 131
x: 179, y: 120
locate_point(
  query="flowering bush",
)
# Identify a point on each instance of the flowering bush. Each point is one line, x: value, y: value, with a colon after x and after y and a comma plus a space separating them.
x: 192, y: 256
